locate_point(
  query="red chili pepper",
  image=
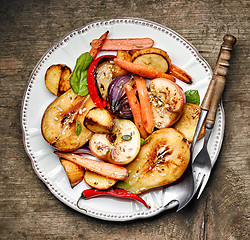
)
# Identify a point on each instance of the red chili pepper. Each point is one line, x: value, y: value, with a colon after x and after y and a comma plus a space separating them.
x: 93, y: 87
x: 116, y: 192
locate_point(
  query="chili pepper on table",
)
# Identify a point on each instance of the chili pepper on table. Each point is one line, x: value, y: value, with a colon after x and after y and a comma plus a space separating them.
x: 93, y: 87
x: 116, y: 192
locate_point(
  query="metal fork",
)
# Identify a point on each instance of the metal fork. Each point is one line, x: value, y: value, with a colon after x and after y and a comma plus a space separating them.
x: 201, y: 166
x: 182, y: 191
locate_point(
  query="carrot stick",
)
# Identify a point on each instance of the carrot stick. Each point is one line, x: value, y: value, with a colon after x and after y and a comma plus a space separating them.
x: 125, y: 44
x: 146, y: 110
x: 98, y: 45
x: 105, y: 169
x: 143, y: 71
x: 136, y: 110
x: 179, y: 74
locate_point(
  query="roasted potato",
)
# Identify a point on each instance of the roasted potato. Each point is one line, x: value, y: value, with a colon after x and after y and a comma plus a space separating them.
x: 161, y: 160
x: 98, y: 181
x: 118, y: 71
x: 99, y: 120
x: 62, y: 122
x: 74, y: 172
x: 152, y: 57
x: 57, y: 79
x: 188, y: 121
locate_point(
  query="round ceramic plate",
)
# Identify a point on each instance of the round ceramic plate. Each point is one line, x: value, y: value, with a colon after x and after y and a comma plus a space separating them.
x: 36, y: 99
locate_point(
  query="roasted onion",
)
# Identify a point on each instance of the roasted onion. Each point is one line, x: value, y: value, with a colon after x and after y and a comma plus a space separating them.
x: 118, y: 103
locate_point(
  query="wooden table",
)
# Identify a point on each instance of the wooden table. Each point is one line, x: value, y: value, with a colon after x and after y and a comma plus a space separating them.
x: 27, y: 208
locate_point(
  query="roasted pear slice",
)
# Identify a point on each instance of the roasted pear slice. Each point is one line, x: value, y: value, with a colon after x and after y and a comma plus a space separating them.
x: 188, y: 121
x: 62, y: 122
x: 162, y: 160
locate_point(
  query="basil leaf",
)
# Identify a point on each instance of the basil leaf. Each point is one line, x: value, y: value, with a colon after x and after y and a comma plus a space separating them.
x: 143, y: 141
x: 78, y: 129
x: 192, y: 96
x: 78, y: 79
x: 122, y: 184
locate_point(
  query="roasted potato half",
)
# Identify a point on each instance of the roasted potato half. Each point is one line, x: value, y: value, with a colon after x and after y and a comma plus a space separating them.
x: 62, y: 122
x: 99, y: 120
x: 161, y: 160
x: 188, y: 121
x: 74, y: 172
x: 57, y: 79
x: 98, y: 181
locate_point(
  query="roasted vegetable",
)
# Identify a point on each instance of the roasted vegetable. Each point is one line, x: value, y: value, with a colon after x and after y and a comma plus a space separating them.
x: 99, y: 120
x: 105, y: 169
x: 119, y: 147
x: 98, y: 181
x: 188, y: 121
x: 118, y: 71
x: 152, y: 57
x: 162, y: 160
x: 61, y: 118
x: 74, y: 172
x: 57, y: 79
x: 99, y: 76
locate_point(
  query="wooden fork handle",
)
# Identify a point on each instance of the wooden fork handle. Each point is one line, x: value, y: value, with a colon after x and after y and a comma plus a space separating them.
x: 220, y: 73
x: 217, y: 83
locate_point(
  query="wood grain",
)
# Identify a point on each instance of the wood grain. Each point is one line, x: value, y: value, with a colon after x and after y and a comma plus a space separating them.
x: 29, y: 211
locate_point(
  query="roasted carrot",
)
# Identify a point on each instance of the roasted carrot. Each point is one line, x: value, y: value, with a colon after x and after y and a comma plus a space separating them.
x: 105, y: 169
x: 143, y: 71
x: 98, y: 45
x: 136, y: 110
x: 179, y: 74
x: 125, y: 44
x: 146, y: 110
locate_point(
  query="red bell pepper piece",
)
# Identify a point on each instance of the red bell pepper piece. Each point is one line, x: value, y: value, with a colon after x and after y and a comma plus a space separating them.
x: 93, y: 87
x: 116, y: 192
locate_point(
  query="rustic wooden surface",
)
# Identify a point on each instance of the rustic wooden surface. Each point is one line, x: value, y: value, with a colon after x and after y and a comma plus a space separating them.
x: 27, y: 208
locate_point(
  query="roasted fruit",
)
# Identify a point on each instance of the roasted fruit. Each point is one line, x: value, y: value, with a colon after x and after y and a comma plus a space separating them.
x: 119, y: 147
x: 62, y: 122
x: 188, y: 121
x: 74, y: 172
x: 162, y: 160
x: 99, y: 120
x: 98, y: 181
x: 57, y: 79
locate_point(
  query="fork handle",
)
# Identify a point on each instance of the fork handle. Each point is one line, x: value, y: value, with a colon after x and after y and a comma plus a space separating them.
x: 221, y: 69
x: 220, y: 73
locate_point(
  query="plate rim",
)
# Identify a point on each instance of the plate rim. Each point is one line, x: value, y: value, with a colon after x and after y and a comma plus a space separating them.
x: 65, y: 38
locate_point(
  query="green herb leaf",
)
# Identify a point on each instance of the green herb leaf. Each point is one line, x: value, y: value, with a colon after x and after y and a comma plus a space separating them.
x: 122, y: 184
x: 143, y: 141
x: 78, y: 79
x: 78, y: 129
x: 192, y: 96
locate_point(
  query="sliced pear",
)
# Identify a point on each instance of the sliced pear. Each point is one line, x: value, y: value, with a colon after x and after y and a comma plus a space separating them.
x: 119, y: 147
x: 62, y: 122
x: 188, y: 121
x: 162, y: 160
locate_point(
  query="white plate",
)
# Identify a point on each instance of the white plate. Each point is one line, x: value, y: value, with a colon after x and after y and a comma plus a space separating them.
x: 36, y: 99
